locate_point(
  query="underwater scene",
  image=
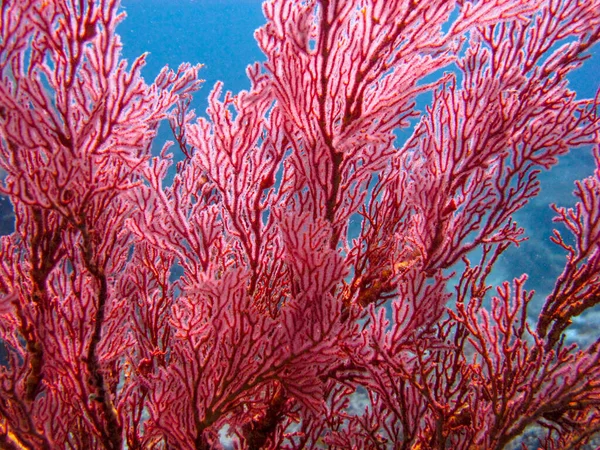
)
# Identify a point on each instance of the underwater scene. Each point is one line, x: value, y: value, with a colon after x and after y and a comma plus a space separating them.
x: 299, y: 224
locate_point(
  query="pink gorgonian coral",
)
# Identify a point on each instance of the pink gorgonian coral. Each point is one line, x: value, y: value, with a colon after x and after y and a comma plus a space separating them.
x: 236, y: 303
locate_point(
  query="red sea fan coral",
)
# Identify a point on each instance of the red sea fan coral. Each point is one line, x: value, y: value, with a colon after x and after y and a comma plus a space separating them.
x: 237, y: 300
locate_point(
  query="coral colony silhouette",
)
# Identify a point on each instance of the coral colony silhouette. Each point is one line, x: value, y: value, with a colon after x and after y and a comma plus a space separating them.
x: 236, y: 305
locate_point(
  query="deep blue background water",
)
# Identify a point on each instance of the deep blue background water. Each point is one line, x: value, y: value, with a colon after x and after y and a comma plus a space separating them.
x: 216, y: 33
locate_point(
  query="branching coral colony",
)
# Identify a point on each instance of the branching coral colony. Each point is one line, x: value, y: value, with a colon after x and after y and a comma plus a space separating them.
x: 287, y: 329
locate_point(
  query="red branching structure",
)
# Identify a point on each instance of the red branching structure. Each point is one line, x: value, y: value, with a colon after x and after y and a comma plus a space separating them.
x: 293, y: 286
